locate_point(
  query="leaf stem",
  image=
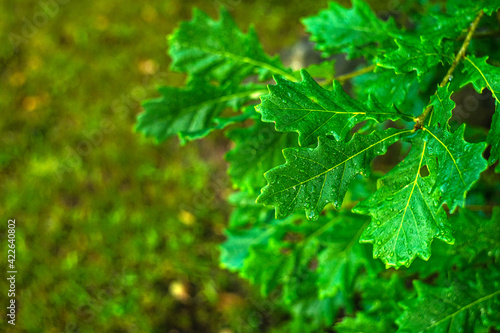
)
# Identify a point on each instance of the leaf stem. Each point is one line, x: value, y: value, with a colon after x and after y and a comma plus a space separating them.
x: 419, y: 121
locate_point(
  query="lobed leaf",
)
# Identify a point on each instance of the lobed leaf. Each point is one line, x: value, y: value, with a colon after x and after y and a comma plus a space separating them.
x: 312, y: 111
x: 192, y: 112
x: 420, y: 55
x: 404, y: 210
x: 355, y: 31
x: 454, y: 164
x: 482, y: 75
x: 442, y: 107
x: 313, y: 178
x: 219, y: 50
x: 472, y: 298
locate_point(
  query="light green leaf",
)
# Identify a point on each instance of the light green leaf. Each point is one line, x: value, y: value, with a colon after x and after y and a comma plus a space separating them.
x: 494, y: 138
x: 258, y: 149
x: 192, y: 112
x: 419, y: 55
x: 312, y: 111
x: 355, y: 31
x: 404, y: 210
x: 219, y: 50
x: 459, y: 164
x: 472, y: 298
x: 482, y: 75
x: 442, y: 107
x: 312, y: 178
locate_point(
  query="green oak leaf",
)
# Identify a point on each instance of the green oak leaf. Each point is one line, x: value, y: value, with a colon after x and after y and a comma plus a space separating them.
x: 472, y: 298
x: 355, y: 31
x: 193, y: 111
x: 404, y: 210
x: 312, y: 111
x: 257, y: 149
x: 482, y: 75
x: 494, y: 138
x: 420, y: 55
x: 219, y: 50
x: 313, y: 178
x: 442, y: 107
x: 459, y: 164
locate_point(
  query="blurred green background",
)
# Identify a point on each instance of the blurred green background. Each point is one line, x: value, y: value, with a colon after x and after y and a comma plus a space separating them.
x: 115, y: 233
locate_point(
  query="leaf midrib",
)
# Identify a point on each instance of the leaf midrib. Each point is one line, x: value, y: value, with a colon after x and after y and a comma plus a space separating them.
x: 482, y: 299
x: 244, y: 59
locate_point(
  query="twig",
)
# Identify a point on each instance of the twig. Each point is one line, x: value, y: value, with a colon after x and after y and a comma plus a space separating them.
x: 419, y: 121
x: 351, y: 75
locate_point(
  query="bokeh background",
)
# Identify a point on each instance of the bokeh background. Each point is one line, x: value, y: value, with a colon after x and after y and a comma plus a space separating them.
x: 116, y: 233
